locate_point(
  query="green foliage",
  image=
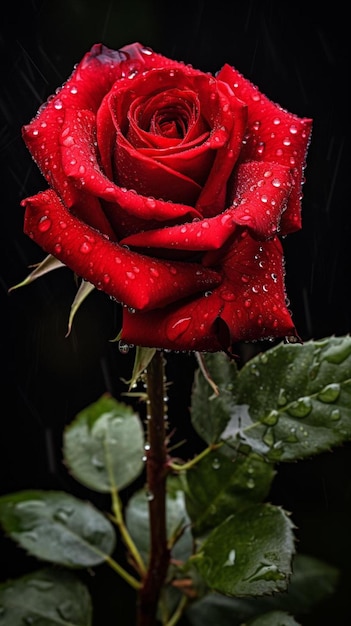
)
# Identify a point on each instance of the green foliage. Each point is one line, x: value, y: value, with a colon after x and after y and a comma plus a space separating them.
x: 55, y: 526
x: 104, y: 445
x: 287, y: 403
x: 249, y: 554
x: 232, y: 551
x: 48, y: 597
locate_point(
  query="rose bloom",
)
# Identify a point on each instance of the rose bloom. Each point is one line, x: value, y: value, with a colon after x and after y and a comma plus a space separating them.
x: 169, y: 189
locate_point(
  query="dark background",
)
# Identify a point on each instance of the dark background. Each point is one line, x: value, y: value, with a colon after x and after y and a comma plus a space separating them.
x: 298, y: 56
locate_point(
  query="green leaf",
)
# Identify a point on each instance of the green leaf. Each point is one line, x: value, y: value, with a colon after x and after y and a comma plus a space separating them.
x: 290, y: 402
x: 218, y: 486
x: 84, y: 290
x: 142, y: 359
x: 138, y: 522
x: 104, y: 445
x: 311, y: 581
x: 48, y: 597
x: 273, y: 618
x: 249, y: 554
x: 210, y: 412
x: 57, y: 527
x: 47, y: 265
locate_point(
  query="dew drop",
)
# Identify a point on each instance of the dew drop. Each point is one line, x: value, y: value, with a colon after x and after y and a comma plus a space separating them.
x: 282, y: 400
x: 301, y: 407
x: 44, y: 224
x: 97, y: 462
x: 216, y: 464
x: 123, y: 347
x: 154, y: 272
x: 335, y: 415
x: 65, y: 610
x: 271, y: 419
x: 330, y: 393
x: 85, y: 248
x: 231, y: 559
x: 268, y: 437
x: 338, y: 353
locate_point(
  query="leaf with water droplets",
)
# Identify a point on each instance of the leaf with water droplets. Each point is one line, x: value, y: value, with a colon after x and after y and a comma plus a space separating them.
x: 218, y: 486
x: 57, y: 527
x: 47, y: 597
x: 104, y: 445
x: 290, y: 402
x: 311, y: 582
x: 178, y: 522
x: 249, y: 554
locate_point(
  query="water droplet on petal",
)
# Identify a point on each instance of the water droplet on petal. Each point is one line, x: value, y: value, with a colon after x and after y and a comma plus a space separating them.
x: 44, y: 224
x: 176, y: 329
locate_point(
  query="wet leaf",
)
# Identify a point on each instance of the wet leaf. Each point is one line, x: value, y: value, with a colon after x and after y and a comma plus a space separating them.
x: 178, y: 522
x: 57, y: 527
x: 311, y: 581
x: 48, y: 597
x: 249, y: 554
x: 291, y: 402
x: 104, y: 445
x: 218, y: 486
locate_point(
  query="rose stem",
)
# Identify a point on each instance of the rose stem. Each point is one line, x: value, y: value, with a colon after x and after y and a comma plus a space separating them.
x: 156, y: 474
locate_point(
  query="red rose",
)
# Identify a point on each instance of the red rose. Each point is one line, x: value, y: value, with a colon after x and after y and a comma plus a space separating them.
x: 169, y: 189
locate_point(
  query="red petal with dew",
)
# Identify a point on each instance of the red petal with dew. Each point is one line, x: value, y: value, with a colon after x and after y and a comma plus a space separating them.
x: 274, y: 135
x: 136, y: 280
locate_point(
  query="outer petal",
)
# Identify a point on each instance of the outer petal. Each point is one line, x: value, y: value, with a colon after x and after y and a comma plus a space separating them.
x: 136, y: 280
x: 249, y: 304
x: 275, y: 135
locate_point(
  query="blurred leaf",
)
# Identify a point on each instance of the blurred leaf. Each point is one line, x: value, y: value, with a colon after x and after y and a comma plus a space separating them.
x: 104, y: 445
x: 47, y: 265
x: 218, y: 486
x: 84, y: 290
x: 57, y: 527
x: 273, y: 618
x: 311, y: 581
x: 48, y: 597
x: 291, y: 402
x: 249, y: 554
x: 138, y: 522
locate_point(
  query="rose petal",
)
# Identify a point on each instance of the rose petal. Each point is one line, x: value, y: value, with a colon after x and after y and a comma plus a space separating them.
x: 261, y: 192
x: 228, y: 131
x: 81, y: 165
x: 136, y: 280
x: 249, y: 304
x: 274, y: 135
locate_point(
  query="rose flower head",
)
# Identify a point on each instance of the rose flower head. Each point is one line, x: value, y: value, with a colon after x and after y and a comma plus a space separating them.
x: 169, y: 189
